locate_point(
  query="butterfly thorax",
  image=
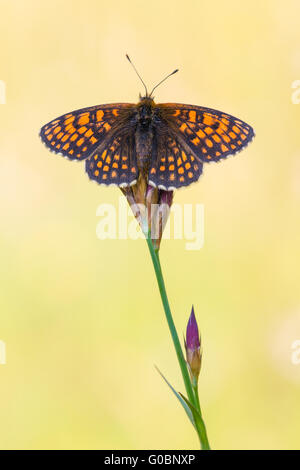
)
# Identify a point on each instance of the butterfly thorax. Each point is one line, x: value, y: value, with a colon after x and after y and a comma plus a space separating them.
x: 145, y: 131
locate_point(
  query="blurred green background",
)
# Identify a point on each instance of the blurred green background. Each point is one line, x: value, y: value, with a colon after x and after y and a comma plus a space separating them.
x: 82, y: 318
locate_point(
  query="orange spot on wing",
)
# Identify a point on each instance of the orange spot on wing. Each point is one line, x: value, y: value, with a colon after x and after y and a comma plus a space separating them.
x: 69, y: 120
x: 208, y: 120
x: 89, y: 133
x: 106, y: 126
x: 201, y: 134
x: 192, y: 116
x: 216, y: 138
x: 70, y: 129
x: 84, y: 119
x: 99, y: 115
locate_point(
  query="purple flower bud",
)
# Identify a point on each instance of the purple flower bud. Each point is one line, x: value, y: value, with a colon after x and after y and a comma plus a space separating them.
x: 193, y: 347
x: 192, y: 332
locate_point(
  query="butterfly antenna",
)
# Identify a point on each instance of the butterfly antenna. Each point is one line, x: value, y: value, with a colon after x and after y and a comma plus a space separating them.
x: 175, y: 71
x: 128, y: 58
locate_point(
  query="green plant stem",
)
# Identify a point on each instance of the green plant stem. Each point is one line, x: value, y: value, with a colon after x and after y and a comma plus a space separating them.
x: 164, y: 298
x: 200, y: 425
x: 195, y: 388
x: 192, y: 392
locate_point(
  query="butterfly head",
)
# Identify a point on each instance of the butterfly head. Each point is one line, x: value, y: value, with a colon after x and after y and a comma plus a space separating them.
x: 146, y: 100
x: 145, y: 109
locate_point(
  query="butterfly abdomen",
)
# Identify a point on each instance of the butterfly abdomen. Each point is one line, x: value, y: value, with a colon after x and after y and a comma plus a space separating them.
x: 144, y: 134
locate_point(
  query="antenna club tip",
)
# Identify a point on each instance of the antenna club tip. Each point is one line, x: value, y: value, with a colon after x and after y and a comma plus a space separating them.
x: 175, y: 71
x: 127, y: 57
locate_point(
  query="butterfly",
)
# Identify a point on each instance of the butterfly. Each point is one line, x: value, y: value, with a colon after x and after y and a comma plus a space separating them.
x: 166, y: 143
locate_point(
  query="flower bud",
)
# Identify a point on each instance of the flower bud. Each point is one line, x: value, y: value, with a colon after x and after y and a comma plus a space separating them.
x: 151, y: 207
x: 193, y: 347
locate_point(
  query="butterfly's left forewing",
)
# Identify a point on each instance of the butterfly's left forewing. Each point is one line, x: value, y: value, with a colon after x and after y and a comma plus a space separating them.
x: 209, y: 133
x: 76, y: 135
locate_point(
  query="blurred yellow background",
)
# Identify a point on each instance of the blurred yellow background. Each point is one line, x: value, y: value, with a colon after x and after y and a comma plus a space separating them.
x: 81, y: 318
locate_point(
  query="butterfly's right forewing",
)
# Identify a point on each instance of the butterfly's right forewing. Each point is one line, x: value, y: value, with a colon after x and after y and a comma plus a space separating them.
x: 210, y: 134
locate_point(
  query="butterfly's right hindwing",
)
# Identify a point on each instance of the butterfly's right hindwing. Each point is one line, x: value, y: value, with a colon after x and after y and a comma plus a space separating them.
x: 173, y: 164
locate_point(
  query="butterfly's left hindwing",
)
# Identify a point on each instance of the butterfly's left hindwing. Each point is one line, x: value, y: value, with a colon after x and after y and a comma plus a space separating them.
x: 209, y: 133
x: 75, y: 135
x: 115, y: 162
